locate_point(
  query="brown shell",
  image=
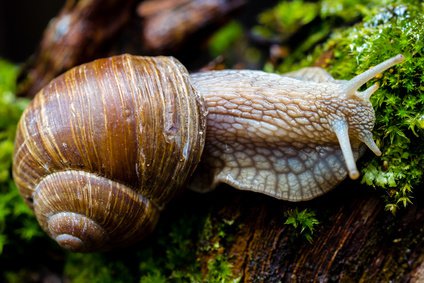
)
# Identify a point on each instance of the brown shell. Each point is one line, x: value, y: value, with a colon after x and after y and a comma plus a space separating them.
x: 102, y: 148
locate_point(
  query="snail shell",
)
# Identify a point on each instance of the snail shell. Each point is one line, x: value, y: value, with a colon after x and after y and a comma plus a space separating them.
x: 104, y: 147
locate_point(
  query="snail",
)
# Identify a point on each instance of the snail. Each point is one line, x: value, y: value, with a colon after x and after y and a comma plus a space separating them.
x: 104, y: 147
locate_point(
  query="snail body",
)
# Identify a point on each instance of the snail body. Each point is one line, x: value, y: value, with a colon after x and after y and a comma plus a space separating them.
x: 104, y: 147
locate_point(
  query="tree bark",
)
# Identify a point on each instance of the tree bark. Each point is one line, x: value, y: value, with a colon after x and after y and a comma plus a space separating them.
x: 356, y: 241
x: 168, y: 23
x: 75, y: 36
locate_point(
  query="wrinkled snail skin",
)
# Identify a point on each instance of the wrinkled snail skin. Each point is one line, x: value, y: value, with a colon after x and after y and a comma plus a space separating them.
x: 293, y: 137
x: 102, y: 149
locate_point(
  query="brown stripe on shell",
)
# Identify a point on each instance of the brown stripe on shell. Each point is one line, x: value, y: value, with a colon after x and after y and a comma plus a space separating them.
x: 132, y: 120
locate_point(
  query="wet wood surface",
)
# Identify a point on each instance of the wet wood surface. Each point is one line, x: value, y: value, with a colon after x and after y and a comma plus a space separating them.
x: 356, y: 240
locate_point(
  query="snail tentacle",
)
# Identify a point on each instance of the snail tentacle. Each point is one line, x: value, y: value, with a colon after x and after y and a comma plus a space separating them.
x: 341, y: 128
x: 354, y: 84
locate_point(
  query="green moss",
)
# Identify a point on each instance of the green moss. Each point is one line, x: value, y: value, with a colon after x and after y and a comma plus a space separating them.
x: 174, y: 257
x: 399, y: 105
x: 301, y: 25
x: 389, y: 28
x: 303, y: 222
x: 286, y: 18
x: 168, y: 256
x: 347, y: 11
x: 16, y: 220
x: 96, y: 268
x: 225, y: 38
x: 216, y: 235
x: 229, y: 47
x: 220, y: 270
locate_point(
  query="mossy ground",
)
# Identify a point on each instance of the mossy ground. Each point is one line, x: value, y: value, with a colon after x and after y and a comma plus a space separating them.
x: 345, y: 37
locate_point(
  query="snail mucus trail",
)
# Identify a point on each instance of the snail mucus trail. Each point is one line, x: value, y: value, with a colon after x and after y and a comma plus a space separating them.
x: 104, y: 147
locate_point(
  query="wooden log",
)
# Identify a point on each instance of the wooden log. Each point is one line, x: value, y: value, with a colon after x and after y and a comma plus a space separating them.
x: 77, y: 35
x: 357, y: 240
x: 169, y: 23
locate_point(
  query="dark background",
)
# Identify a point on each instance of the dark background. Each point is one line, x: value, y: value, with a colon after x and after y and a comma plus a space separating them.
x: 21, y: 26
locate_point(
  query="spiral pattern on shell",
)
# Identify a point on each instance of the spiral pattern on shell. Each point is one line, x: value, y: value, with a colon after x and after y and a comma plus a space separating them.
x: 91, y: 144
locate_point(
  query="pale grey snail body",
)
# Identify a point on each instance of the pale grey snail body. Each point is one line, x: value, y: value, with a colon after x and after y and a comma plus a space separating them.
x: 104, y: 147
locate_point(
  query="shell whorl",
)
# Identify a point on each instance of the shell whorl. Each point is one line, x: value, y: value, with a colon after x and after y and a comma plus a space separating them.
x: 118, y: 136
x: 83, y: 211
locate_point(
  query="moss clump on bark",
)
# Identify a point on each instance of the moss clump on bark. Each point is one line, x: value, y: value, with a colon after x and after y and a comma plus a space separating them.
x: 399, y: 104
x: 387, y: 28
x: 170, y: 254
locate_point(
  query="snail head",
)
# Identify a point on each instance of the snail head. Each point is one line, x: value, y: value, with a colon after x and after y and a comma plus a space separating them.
x: 359, y: 119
